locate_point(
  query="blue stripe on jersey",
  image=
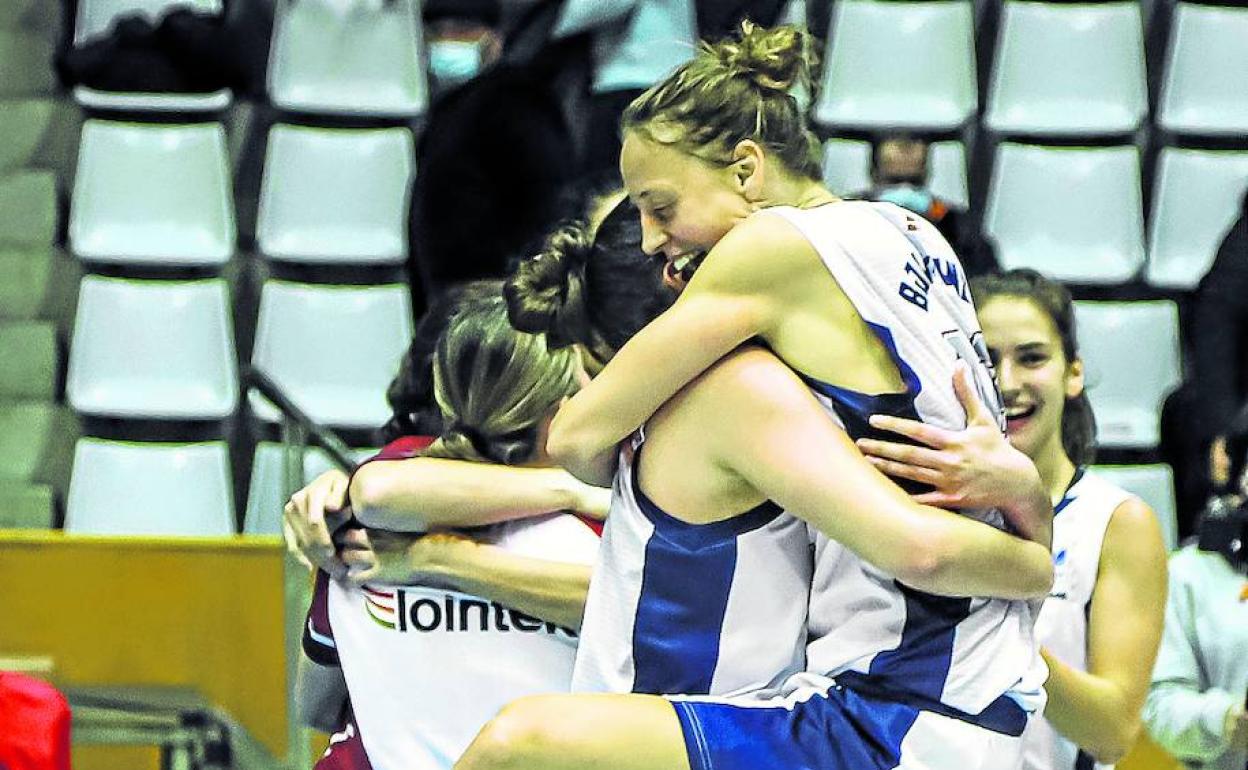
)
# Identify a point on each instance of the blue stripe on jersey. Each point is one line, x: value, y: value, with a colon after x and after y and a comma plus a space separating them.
x: 1068, y: 498
x: 686, y: 581
x: 921, y: 661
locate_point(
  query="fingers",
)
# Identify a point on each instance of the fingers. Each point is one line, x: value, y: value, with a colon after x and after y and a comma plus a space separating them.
x: 903, y: 453
x: 938, y: 499
x: 904, y: 471
x: 976, y: 412
x: 929, y: 435
x: 292, y: 546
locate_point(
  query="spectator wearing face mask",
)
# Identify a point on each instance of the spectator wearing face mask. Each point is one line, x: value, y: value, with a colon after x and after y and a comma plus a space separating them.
x: 494, y: 161
x: 899, y: 175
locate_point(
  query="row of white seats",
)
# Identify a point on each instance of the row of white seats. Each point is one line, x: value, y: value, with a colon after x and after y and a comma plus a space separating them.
x: 164, y: 489
x: 1059, y: 69
x: 353, y: 57
x: 165, y: 349
x: 161, y: 194
x: 1094, y: 195
x: 124, y: 488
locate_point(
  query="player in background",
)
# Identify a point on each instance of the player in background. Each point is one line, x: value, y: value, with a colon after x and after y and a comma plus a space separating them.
x: 1109, y: 557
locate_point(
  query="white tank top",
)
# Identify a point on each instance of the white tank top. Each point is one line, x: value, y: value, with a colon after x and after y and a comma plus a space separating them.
x: 426, y: 668
x: 1078, y: 534
x: 972, y: 658
x: 693, y: 609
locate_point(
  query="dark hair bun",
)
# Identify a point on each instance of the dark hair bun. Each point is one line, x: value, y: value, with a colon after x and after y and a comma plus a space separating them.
x: 773, y: 59
x: 546, y: 293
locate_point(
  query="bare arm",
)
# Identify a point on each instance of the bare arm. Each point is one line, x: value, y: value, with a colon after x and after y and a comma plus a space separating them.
x: 1100, y: 709
x: 724, y: 305
x: 423, y: 493
x: 552, y: 591
x: 785, y: 446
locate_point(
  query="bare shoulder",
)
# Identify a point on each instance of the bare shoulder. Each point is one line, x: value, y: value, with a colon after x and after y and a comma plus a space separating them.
x: 758, y: 251
x: 1134, y: 535
x: 751, y: 376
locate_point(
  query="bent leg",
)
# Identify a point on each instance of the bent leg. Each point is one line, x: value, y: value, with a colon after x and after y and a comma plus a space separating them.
x: 554, y: 732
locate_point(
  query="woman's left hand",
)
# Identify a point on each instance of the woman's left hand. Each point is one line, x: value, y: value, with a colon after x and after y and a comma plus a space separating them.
x: 971, y: 468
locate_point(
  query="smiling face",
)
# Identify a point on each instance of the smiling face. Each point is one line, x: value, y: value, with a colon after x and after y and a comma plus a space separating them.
x: 1032, y: 372
x: 686, y: 203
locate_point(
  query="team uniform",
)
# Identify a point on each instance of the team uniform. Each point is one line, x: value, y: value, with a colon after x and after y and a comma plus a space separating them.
x: 1079, y: 525
x: 894, y: 677
x: 426, y: 667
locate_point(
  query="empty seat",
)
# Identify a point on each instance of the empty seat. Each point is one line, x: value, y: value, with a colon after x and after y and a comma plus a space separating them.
x: 1072, y: 213
x: 1073, y: 69
x: 25, y: 283
x: 267, y: 494
x: 154, y: 194
x: 1154, y: 484
x: 332, y: 349
x: 1130, y: 352
x: 335, y: 195
x: 23, y: 123
x: 36, y: 442
x: 26, y: 506
x: 156, y: 349
x: 1196, y: 199
x: 946, y: 173
x: 28, y: 208
x: 1202, y: 90
x: 360, y: 57
x: 129, y: 488
x: 847, y: 166
x: 899, y: 65
x: 24, y: 58
x: 28, y: 350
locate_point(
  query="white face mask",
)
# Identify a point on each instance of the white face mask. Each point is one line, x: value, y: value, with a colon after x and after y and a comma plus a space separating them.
x: 452, y: 62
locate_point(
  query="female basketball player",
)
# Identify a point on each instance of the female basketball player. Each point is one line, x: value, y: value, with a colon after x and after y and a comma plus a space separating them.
x: 1109, y: 555
x: 426, y: 665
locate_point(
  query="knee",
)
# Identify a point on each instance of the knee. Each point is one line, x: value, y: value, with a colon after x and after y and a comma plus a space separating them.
x: 522, y: 735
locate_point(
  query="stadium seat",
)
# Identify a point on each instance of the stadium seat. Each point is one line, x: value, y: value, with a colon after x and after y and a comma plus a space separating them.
x: 23, y: 123
x: 266, y: 497
x: 946, y: 173
x: 1068, y: 69
x: 28, y: 350
x: 332, y: 349
x: 357, y: 57
x: 96, y: 17
x: 335, y: 195
x: 899, y: 65
x: 128, y: 488
x: 24, y: 58
x: 36, y: 441
x: 25, y: 283
x: 153, y: 349
x: 1196, y: 199
x: 847, y: 166
x: 1131, y: 361
x: 1072, y: 213
x: 1202, y: 90
x: 28, y: 208
x: 152, y: 194
x: 1154, y: 484
x: 26, y: 506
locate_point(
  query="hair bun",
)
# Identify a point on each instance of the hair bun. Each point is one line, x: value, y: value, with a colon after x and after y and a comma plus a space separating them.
x: 546, y: 293
x: 774, y: 59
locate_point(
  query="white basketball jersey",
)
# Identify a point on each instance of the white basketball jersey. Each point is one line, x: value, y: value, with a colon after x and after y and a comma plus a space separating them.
x: 426, y: 668
x: 696, y: 609
x: 1078, y: 533
x: 965, y: 656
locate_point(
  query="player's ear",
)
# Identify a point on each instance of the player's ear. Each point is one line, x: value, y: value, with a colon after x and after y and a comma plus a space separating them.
x: 746, y: 169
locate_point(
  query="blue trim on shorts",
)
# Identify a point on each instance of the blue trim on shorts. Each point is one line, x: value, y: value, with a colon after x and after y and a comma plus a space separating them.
x: 1004, y: 715
x: 839, y: 730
